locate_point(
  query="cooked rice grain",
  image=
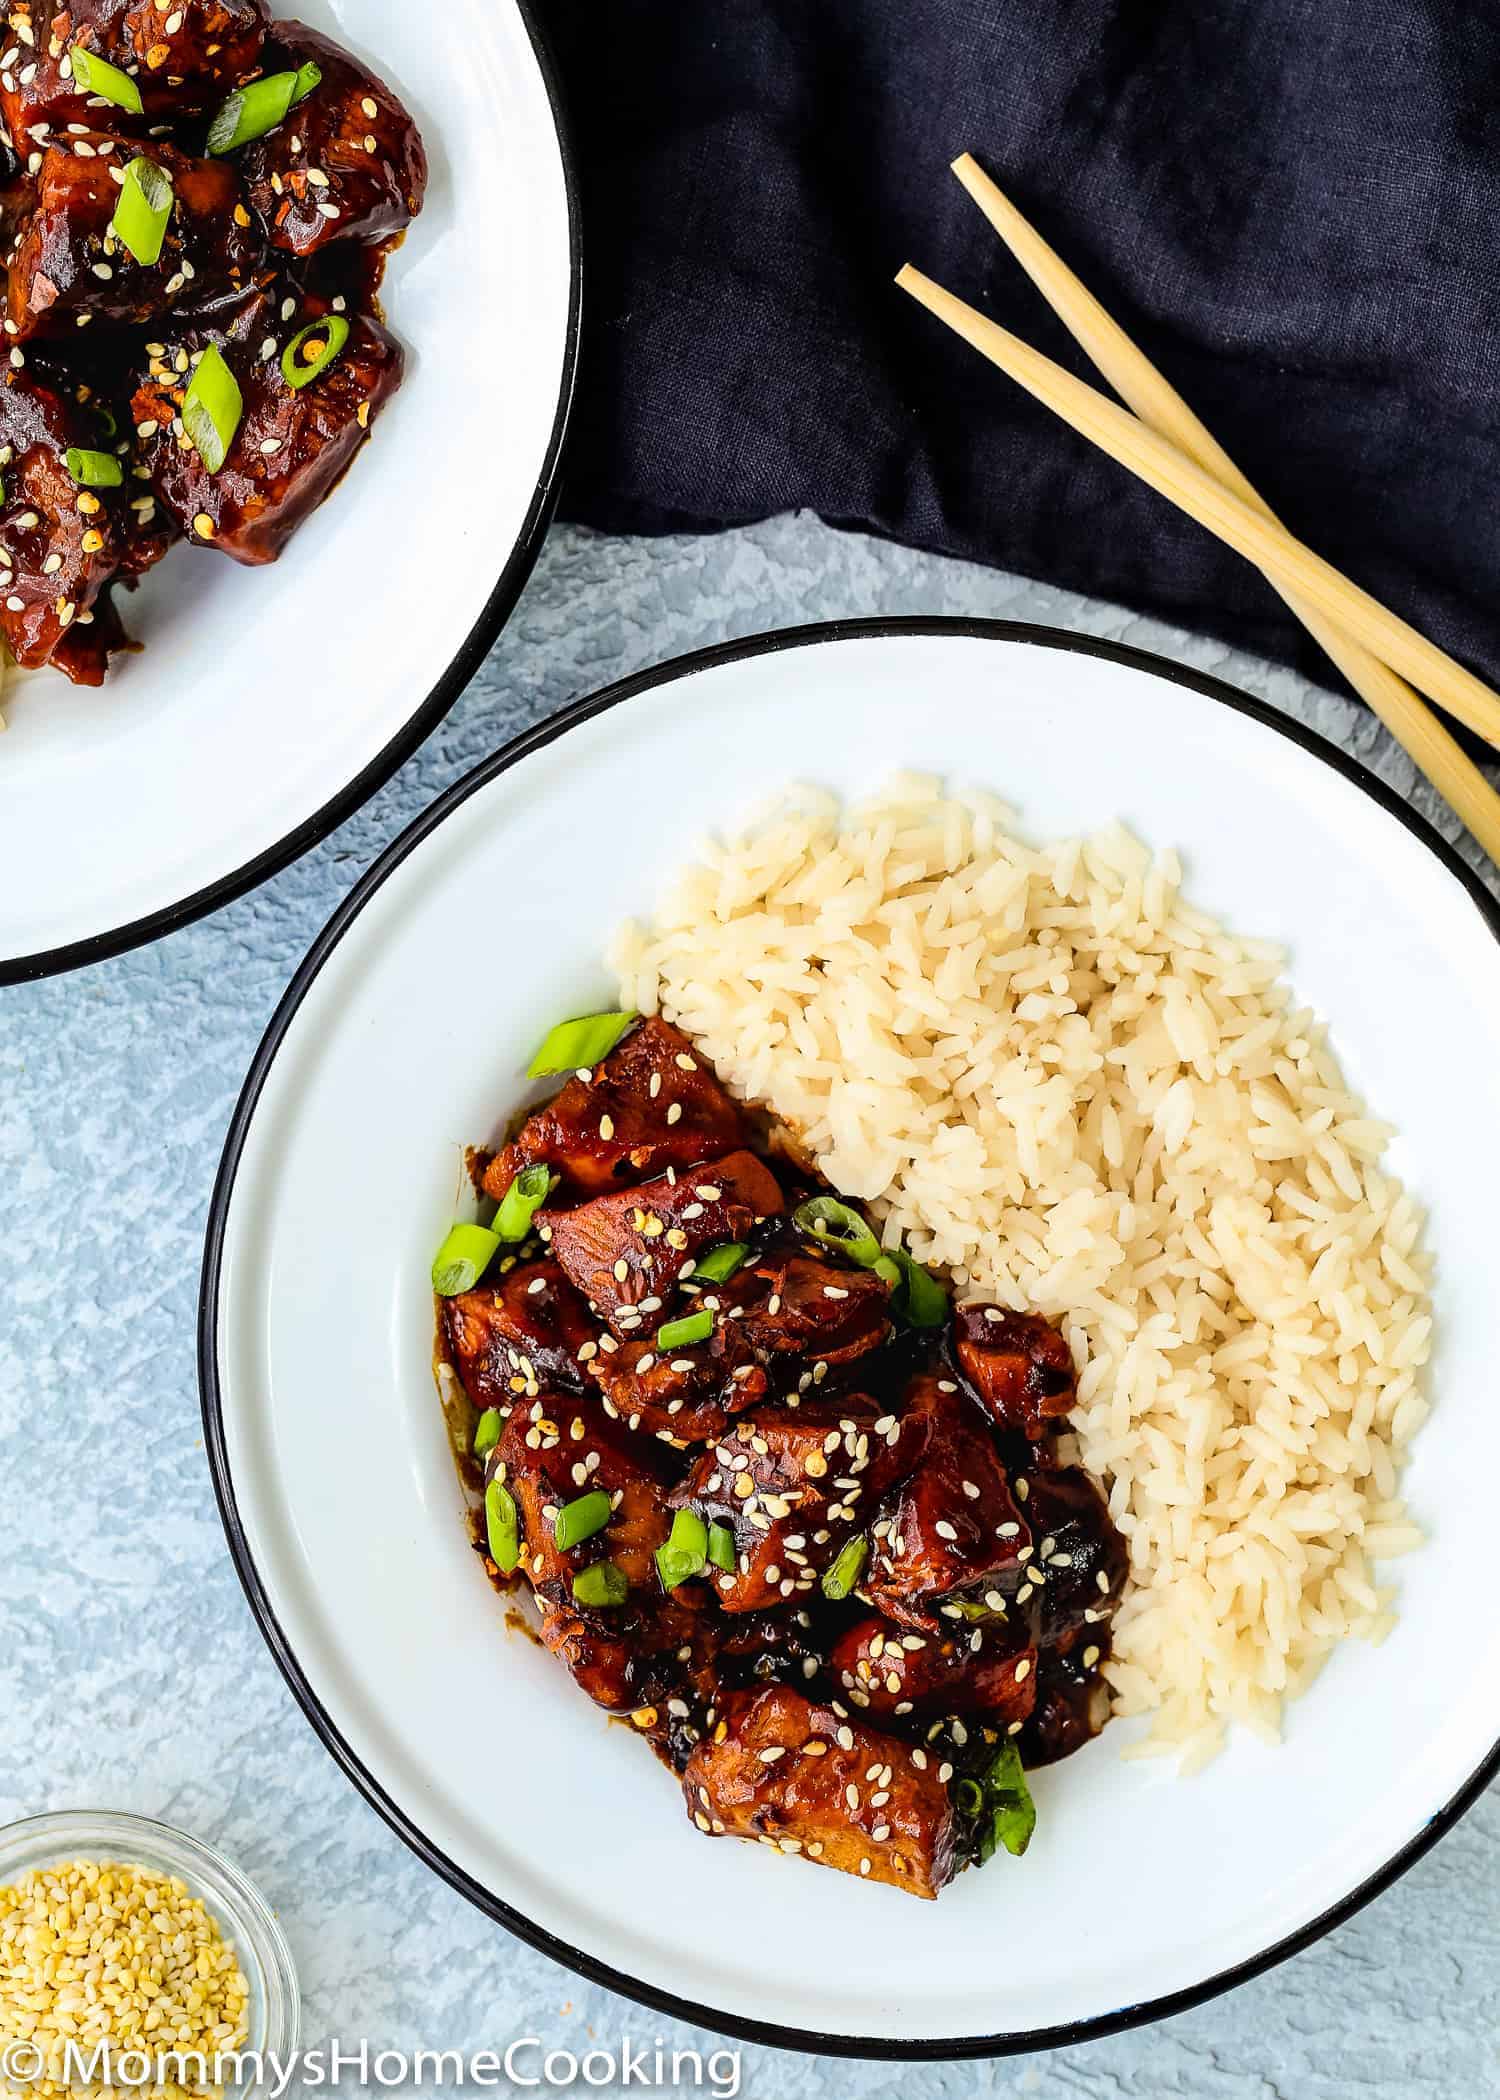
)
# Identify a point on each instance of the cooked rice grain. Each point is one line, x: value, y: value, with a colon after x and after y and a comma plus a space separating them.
x: 1050, y: 1075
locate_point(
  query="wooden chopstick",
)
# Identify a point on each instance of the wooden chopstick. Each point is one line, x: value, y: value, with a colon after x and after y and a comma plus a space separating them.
x: 1259, y: 538
x: 1147, y: 391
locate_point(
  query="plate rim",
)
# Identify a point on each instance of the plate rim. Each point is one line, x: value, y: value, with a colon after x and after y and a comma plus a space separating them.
x: 769, y: 2033
x: 466, y: 660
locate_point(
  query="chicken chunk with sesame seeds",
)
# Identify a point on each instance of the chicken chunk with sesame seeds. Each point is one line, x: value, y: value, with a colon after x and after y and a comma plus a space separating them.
x: 524, y: 1329
x: 184, y: 58
x: 59, y: 543
x: 67, y: 262
x: 96, y: 635
x: 651, y: 1104
x: 792, y: 1484
x: 1018, y: 1366
x: 1076, y: 1576
x: 292, y: 445
x: 649, y: 1658
x: 688, y: 1393
x: 888, y: 1670
x: 348, y: 162
x: 954, y: 1525
x: 794, y: 1775
x: 792, y: 1305
x: 1072, y: 1698
x: 627, y: 1250
x: 559, y: 1447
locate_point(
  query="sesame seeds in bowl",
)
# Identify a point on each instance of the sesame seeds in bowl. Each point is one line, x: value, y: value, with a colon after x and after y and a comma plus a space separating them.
x: 75, y: 1881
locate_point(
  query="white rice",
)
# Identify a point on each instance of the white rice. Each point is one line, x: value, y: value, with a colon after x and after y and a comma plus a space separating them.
x: 1048, y: 1074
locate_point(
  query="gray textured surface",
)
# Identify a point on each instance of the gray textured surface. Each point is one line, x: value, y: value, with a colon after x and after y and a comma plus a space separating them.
x: 131, y: 1674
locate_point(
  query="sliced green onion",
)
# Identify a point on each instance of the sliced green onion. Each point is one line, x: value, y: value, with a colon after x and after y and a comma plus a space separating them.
x: 888, y: 1271
x: 502, y: 1527
x: 720, y: 1263
x: 312, y: 350
x: 521, y: 1202
x: 96, y: 76
x: 603, y: 1584
x: 573, y: 1046
x: 1008, y: 1805
x: 835, y: 1224
x: 681, y: 1334
x: 840, y: 1579
x: 487, y: 1432
x: 686, y: 1552
x: 211, y: 409
x: 721, y: 1547
x: 581, y: 1518
x: 252, y: 111
x: 462, y: 1259
x: 968, y: 1796
x: 921, y: 1299
x: 143, y: 210
x: 94, y: 470
x: 308, y: 76
x: 105, y: 418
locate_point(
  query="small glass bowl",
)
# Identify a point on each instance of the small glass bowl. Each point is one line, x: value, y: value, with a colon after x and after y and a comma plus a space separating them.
x: 273, y: 2014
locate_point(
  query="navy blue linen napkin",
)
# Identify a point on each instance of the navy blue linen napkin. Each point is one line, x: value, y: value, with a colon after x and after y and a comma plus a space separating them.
x: 1292, y: 204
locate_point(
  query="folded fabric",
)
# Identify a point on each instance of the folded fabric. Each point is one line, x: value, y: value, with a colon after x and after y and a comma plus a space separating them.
x: 1290, y: 205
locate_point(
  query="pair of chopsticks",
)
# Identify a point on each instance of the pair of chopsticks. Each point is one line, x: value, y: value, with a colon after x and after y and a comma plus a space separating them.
x: 1157, y: 436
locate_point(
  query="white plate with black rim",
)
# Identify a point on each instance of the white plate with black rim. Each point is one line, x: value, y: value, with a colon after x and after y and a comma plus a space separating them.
x: 404, y: 1036
x: 268, y: 704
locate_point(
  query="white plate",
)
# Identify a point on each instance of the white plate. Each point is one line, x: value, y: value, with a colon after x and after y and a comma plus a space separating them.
x: 404, y: 1037
x: 268, y: 704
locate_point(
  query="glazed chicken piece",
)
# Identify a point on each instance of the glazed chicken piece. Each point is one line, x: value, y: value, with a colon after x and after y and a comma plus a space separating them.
x: 1076, y: 1576
x: 890, y: 1671
x: 953, y: 1527
x: 790, y: 1304
x: 184, y: 59
x: 58, y: 541
x: 626, y: 1251
x: 834, y: 1791
x: 84, y: 651
x: 773, y: 1326
x: 686, y: 1395
x: 518, y: 1333
x: 1017, y: 1364
x: 67, y: 267
x: 651, y: 1104
x: 1072, y: 1699
x: 348, y: 160
x: 792, y: 1484
x: 637, y: 1659
x: 561, y: 1447
x: 292, y: 444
